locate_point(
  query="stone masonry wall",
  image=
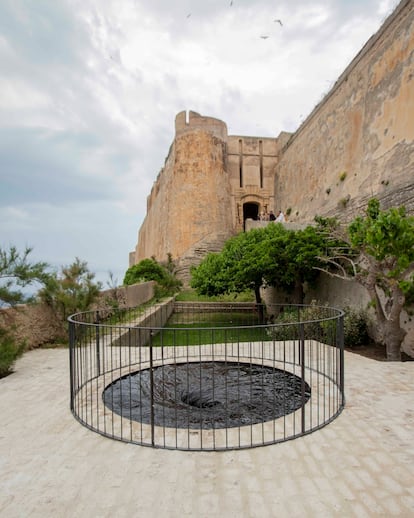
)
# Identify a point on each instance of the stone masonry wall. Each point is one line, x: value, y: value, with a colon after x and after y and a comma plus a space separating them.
x: 189, y: 203
x: 200, y: 197
x: 359, y: 142
x: 36, y: 324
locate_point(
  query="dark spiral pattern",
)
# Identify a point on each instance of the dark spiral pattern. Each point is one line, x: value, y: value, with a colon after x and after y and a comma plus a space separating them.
x: 207, y: 395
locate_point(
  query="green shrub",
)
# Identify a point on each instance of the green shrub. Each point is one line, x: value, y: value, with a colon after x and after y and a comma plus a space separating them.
x: 190, y: 295
x: 315, y: 325
x: 356, y: 327
x: 151, y: 270
x: 73, y: 290
x: 10, y: 350
x: 145, y: 270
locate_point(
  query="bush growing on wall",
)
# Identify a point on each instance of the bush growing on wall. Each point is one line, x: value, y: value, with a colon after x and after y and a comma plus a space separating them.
x: 16, y: 273
x: 151, y: 270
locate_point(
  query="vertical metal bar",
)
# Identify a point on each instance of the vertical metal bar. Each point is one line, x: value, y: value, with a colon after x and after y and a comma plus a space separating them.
x: 72, y: 363
x: 152, y: 389
x: 341, y: 357
x: 98, y: 345
x: 302, y: 373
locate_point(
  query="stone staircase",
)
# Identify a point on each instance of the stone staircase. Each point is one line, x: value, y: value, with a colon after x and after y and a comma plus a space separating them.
x: 196, y: 253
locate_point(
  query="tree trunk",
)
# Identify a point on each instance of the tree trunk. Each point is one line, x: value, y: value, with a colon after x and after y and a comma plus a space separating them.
x: 393, y: 338
x: 259, y: 304
x: 299, y: 294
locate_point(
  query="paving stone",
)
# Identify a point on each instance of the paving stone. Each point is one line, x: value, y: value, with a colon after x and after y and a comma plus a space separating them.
x: 362, y: 464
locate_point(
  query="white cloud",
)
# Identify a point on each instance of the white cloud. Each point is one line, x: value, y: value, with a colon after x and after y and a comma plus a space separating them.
x: 90, y: 90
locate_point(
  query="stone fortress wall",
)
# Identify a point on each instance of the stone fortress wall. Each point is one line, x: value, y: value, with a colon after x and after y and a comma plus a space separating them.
x: 359, y: 141
x: 356, y: 144
x: 210, y: 183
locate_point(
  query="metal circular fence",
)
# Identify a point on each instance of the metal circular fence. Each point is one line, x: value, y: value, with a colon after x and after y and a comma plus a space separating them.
x: 207, y: 376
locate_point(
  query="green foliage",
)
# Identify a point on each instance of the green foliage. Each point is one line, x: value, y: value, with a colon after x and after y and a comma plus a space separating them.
x: 151, y: 270
x: 313, y: 319
x: 386, y: 236
x: 356, y: 327
x: 190, y: 295
x: 342, y: 176
x: 211, y: 328
x: 145, y: 270
x: 10, y: 350
x: 71, y: 291
x: 343, y: 202
x: 408, y: 290
x: 381, y: 258
x: 17, y: 272
x: 272, y: 255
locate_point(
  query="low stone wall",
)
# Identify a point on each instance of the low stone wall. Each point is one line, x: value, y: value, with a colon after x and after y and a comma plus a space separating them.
x: 37, y: 324
x: 127, y: 296
x: 140, y: 332
x: 341, y: 294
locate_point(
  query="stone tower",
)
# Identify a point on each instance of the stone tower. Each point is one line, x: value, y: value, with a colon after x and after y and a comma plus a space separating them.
x: 210, y: 184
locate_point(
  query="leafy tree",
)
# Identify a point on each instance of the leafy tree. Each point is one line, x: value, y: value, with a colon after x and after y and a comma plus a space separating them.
x: 151, y: 270
x: 210, y: 277
x: 272, y: 255
x: 145, y: 270
x: 295, y: 256
x: 380, y: 257
x: 73, y: 290
x: 16, y: 273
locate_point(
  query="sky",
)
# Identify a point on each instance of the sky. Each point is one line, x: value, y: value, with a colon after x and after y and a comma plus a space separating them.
x: 89, y: 90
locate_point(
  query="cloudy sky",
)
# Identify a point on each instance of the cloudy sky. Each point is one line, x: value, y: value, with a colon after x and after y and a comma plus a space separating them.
x: 89, y: 90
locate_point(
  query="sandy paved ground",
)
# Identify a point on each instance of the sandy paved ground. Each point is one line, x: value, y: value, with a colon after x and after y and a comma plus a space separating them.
x: 360, y: 465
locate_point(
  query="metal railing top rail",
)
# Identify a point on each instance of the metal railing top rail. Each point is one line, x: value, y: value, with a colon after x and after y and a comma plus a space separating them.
x: 139, y: 314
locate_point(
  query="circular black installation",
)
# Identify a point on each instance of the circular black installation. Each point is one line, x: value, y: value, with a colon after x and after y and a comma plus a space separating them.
x: 207, y: 376
x: 206, y: 395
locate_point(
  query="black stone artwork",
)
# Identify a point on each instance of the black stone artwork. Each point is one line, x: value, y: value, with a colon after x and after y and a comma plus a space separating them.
x: 207, y: 395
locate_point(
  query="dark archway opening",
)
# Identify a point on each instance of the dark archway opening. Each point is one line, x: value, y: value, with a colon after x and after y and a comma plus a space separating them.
x: 250, y: 211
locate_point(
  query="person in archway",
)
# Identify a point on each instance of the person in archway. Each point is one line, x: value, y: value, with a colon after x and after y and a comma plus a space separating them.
x: 280, y: 217
x: 272, y: 216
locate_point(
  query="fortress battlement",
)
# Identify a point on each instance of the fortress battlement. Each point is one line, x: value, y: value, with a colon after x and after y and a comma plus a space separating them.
x: 196, y: 121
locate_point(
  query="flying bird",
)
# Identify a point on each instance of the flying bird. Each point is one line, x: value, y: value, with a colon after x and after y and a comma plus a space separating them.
x: 264, y: 37
x: 188, y: 15
x: 279, y: 21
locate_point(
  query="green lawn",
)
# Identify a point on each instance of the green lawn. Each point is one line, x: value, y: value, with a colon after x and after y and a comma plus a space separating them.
x: 210, y: 328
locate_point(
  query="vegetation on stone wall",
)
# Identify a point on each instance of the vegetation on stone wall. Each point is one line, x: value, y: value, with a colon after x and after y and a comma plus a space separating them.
x: 271, y: 255
x: 16, y: 273
x: 151, y: 270
x: 380, y: 257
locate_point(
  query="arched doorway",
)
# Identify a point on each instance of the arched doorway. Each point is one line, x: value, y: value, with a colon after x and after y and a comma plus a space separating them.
x: 250, y: 211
